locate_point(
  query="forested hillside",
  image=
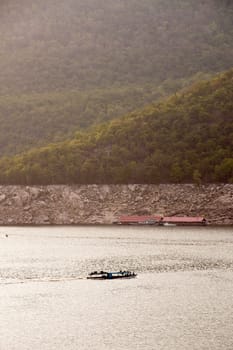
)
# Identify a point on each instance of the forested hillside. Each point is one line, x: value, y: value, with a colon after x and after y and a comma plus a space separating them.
x: 186, y: 138
x: 38, y: 118
x: 66, y: 65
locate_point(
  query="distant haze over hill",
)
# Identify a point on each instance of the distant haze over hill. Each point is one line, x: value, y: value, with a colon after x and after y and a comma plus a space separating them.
x: 75, y: 44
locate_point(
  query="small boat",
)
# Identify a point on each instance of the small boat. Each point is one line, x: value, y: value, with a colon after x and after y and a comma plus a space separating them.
x: 167, y: 224
x: 103, y: 275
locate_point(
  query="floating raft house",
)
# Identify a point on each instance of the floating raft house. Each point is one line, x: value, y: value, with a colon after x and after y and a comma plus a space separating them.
x: 160, y: 220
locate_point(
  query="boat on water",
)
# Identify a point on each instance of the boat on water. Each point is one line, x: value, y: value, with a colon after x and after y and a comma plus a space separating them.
x: 167, y: 224
x: 103, y: 275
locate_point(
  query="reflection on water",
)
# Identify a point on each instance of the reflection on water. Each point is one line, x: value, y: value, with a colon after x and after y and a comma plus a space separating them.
x: 181, y: 299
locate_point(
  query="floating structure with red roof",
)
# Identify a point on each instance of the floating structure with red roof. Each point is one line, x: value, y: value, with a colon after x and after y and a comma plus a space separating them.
x: 184, y: 220
x: 161, y: 220
x: 139, y: 220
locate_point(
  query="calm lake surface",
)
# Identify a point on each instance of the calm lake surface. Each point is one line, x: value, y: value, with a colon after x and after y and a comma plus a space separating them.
x: 181, y: 299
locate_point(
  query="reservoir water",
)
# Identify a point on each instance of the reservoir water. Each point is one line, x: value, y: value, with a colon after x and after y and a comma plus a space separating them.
x: 181, y: 299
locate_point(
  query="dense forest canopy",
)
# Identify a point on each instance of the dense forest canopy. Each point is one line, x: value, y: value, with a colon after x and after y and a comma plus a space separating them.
x: 186, y: 138
x: 67, y: 65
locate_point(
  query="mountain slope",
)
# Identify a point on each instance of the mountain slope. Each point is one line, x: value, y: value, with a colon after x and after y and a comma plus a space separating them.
x: 66, y: 65
x: 32, y: 120
x: 187, y: 138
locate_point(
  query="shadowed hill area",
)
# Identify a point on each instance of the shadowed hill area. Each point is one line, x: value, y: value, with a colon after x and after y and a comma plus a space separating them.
x: 35, y: 119
x: 66, y: 65
x: 186, y: 138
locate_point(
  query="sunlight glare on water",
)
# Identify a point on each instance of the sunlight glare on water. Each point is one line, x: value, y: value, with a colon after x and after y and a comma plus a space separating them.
x: 181, y: 298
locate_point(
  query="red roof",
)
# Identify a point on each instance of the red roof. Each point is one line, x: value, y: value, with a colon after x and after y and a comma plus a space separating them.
x: 172, y: 219
x: 137, y: 218
x: 183, y: 219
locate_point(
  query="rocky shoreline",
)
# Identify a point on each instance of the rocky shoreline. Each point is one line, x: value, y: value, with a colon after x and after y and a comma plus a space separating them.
x: 103, y: 204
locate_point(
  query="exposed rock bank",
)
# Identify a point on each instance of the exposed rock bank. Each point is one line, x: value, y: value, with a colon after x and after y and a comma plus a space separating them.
x: 91, y: 204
